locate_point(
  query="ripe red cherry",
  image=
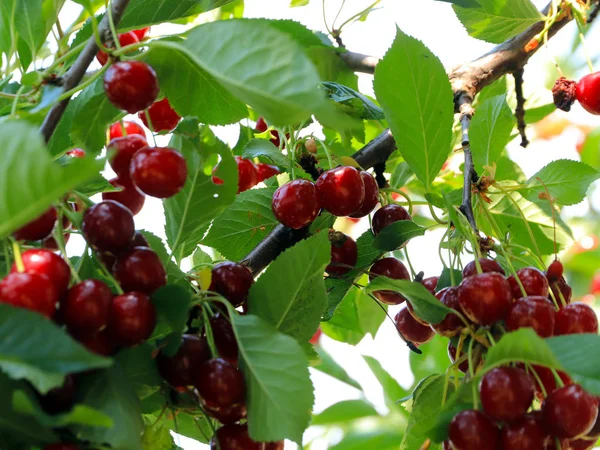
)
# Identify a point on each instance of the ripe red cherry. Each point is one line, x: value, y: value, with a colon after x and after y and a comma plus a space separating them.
x: 487, y: 265
x: 533, y: 280
x: 343, y: 251
x: 569, y: 412
x: 548, y: 381
x: 38, y: 228
x: 265, y: 171
x: 224, y: 338
x: 535, y: 312
x: 296, y: 204
x: 47, y: 263
x: 99, y: 343
x: 473, y: 430
x: 431, y: 283
x: 232, y: 281
x: 132, y: 319
x: 555, y: 271
x: 140, y: 270
x: 581, y: 444
x: 391, y: 268
x: 576, y: 318
x: 29, y: 290
x: 261, y: 127
x: 463, y: 366
x: 412, y: 330
x: 371, y: 196
x: 506, y: 393
x: 131, y: 128
x: 131, y: 85
x: 158, y: 172
x: 451, y: 325
x: 139, y: 240
x: 485, y: 298
x: 219, y: 383
x: 162, y: 116
x: 227, y: 415
x: 129, y: 196
x: 274, y: 445
x: 342, y: 190
x: 142, y: 33
x: 86, y: 308
x: 526, y: 433
x: 588, y: 93
x: 387, y: 215
x: 60, y: 399
x: 122, y: 150
x: 61, y: 446
x: 177, y: 370
x: 559, y: 288
x: 247, y: 174
x: 76, y: 153
x: 234, y: 437
x: 108, y: 226
x: 124, y: 39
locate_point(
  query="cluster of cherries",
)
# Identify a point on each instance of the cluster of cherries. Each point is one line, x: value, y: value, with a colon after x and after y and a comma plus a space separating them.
x: 249, y: 173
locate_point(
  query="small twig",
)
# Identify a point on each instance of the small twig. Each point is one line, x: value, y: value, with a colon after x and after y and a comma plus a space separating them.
x: 465, y: 107
x: 520, y: 109
x: 594, y: 13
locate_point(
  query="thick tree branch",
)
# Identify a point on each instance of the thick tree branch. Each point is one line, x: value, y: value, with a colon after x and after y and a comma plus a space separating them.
x: 359, y: 62
x: 75, y: 74
x: 470, y: 176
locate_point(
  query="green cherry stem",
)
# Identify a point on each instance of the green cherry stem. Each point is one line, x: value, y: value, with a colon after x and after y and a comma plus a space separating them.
x: 209, y: 334
x: 17, y: 255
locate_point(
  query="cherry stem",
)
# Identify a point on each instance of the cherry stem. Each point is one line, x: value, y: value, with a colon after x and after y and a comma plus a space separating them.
x: 150, y: 126
x: 60, y: 241
x: 408, y: 200
x: 326, y: 150
x: 537, y: 379
x: 435, y: 217
x: 557, y: 378
x: 17, y: 255
x: 412, y: 270
x: 209, y: 334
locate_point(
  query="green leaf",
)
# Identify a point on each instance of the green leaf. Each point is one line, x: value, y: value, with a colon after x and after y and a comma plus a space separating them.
x: 589, y: 153
x: 463, y: 3
x: 446, y: 278
x: 35, y: 349
x: 279, y: 391
x: 290, y: 294
x: 373, y: 439
x: 490, y: 131
x: 174, y: 274
x: 345, y: 412
x: 434, y: 358
x: 30, y: 21
x: 397, y: 235
x: 521, y: 345
x: 173, y: 305
x: 157, y: 437
x: 140, y: 368
x: 262, y: 147
x: 496, y: 21
x: 392, y: 391
x: 418, y: 103
x: 400, y: 176
x: 358, y: 105
x: 328, y: 366
x: 29, y: 189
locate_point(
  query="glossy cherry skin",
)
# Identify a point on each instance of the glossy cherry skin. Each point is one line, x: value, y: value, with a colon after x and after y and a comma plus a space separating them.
x: 29, y: 290
x: 158, y: 172
x: 60, y: 399
x: 131, y: 85
x: 234, y: 437
x: 412, y: 330
x: 533, y: 280
x: 390, y: 268
x: 576, y: 318
x: 463, y: 366
x: 139, y: 240
x: 129, y: 196
x: 108, y: 226
x: 535, y: 312
x: 123, y: 149
x: 569, y: 412
x: 371, y: 196
x: 124, y: 39
x: 559, y: 288
x: 451, y: 325
x: 265, y: 171
x: 343, y: 251
x: 87, y: 306
x: 132, y: 319
x: 131, y: 128
x: 296, y: 204
x: 247, y: 174
x: 140, y: 270
x: 431, y: 283
x: 555, y: 271
x: 525, y: 433
x: 232, y: 281
x: 485, y: 298
x: 588, y: 93
x: 142, y: 33
x: 228, y: 415
x: 219, y: 383
x: 38, y: 228
x: 487, y: 265
x: 224, y: 338
x: 548, y: 381
x: 387, y: 215
x: 342, y: 190
x: 61, y: 446
x: 261, y: 127
x: 162, y: 116
x: 506, y: 393
x: 76, y: 153
x: 177, y: 370
x: 99, y: 343
x: 473, y: 430
x: 314, y: 340
x: 47, y: 263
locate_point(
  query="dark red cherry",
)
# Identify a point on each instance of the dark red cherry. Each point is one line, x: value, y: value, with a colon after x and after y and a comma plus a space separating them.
x: 247, y: 174
x: 487, y: 265
x: 140, y: 270
x: 412, y: 330
x: 431, y: 283
x: 473, y: 430
x: 595, y: 431
x: 162, y: 116
x: 387, y: 215
x: 274, y: 445
x: 265, y: 171
x: 525, y: 433
x: 131, y: 85
x: 219, y: 383
x: 261, y: 125
x: 128, y: 196
x: 177, y: 370
x: 87, y: 306
x: 532, y: 312
x: 38, y: 228
x: 576, y: 318
x: 232, y: 281
x: 451, y: 325
x: 158, y: 172
x: 344, y: 252
x: 485, y: 298
x: 76, y: 153
x: 122, y: 150
x: 60, y: 399
x: 99, y: 343
x: 142, y: 33
x: 139, y: 240
x: 224, y: 338
x: 116, y: 130
x: 463, y: 366
x: 124, y: 39
x: 132, y: 319
x: 50, y: 243
x: 533, y: 280
x: 108, y: 226
x: 342, y: 190
x: 548, y: 381
x: 581, y: 444
x: 47, y: 263
x: 506, y: 393
x: 569, y: 412
x: 296, y: 204
x: 61, y: 446
x: 555, y: 271
x: 446, y: 445
x: 588, y: 92
x: 228, y: 415
x: 371, y: 196
x: 29, y: 290
x: 559, y: 288
x: 234, y: 437
x: 391, y: 268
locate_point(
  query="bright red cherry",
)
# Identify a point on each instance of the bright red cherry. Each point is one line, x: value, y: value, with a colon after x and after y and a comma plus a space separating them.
x: 390, y: 268
x: 162, y: 116
x: 296, y: 204
x: 314, y: 340
x: 265, y: 171
x: 131, y: 85
x: 559, y: 288
x: 122, y: 150
x: 371, y: 195
x: 142, y: 33
x: 247, y: 174
x: 576, y: 318
x: 431, y: 283
x: 473, y: 430
x: 38, y: 228
x: 342, y: 190
x: 569, y: 412
x: 60, y: 399
x: 463, y: 366
x: 535, y: 312
x: 412, y: 330
x: 228, y: 415
x: 99, y: 343
x: 506, y: 393
x: 47, y: 263
x: 132, y: 319
x: 61, y: 446
x: 588, y: 93
x: 525, y: 433
x: 533, y: 280
x: 158, y: 172
x: 108, y: 226
x: 140, y: 270
x: 485, y: 298
x: 29, y: 290
x: 177, y: 370
x: 234, y: 437
x: 387, y: 215
x: 451, y: 325
x: 487, y: 265
x: 128, y: 196
x: 219, y: 383
x: 555, y: 271
x: 124, y: 39
x: 261, y: 127
x: 224, y: 338
x: 87, y: 306
x: 232, y: 281
x: 344, y: 252
x: 131, y: 128
x: 76, y: 153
